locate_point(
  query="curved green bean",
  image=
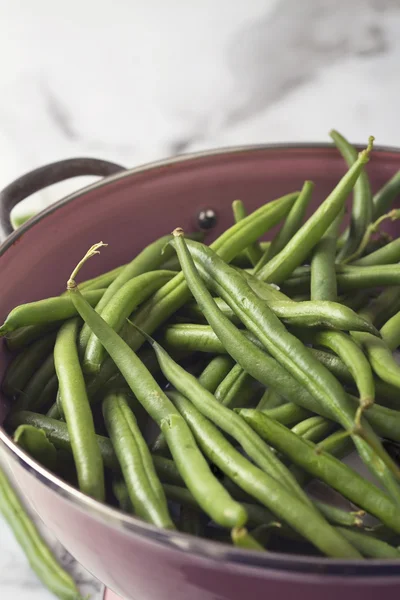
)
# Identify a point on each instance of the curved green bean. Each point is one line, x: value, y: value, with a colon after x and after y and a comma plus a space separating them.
x: 253, y: 251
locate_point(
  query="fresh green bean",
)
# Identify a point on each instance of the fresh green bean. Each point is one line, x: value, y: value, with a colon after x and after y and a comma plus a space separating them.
x: 195, y: 471
x: 144, y: 488
x: 101, y: 281
x: 39, y: 555
x: 312, y: 428
x: 348, y: 278
x: 119, y: 307
x: 76, y: 409
x: 22, y: 337
x: 35, y: 442
x: 253, y: 250
x: 236, y: 389
x: 391, y: 332
x: 381, y: 308
x: 42, y: 312
x: 173, y: 295
x: 148, y: 259
x: 388, y: 254
x: 25, y: 364
x: 361, y: 213
x: 243, y: 539
x: 337, y: 516
x: 224, y: 418
x: 290, y: 226
x: 29, y: 397
x: 327, y: 468
x: 192, y: 337
x: 215, y: 372
x: 268, y: 491
x: 270, y: 399
x: 323, y: 274
x: 383, y: 199
x: 368, y: 545
x: 354, y: 359
x: 287, y: 414
x: 301, y: 244
x: 121, y: 493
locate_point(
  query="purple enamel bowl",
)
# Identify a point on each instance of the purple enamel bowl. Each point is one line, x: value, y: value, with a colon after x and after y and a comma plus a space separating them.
x: 128, y: 209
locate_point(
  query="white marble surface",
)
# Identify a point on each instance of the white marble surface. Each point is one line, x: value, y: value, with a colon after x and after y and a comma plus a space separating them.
x: 134, y: 81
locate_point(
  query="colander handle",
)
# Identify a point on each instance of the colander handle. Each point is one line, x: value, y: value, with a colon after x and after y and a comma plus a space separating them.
x: 40, y: 178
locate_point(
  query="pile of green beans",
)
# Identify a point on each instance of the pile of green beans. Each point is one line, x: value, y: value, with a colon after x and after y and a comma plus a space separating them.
x: 255, y: 390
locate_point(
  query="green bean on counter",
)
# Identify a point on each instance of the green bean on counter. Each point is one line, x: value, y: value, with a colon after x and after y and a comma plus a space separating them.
x: 245, y: 392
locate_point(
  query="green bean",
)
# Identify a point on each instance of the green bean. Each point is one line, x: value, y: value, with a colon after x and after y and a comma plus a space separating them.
x: 361, y: 213
x: 323, y: 274
x: 253, y: 250
x: 348, y: 278
x: 388, y: 254
x: 25, y: 364
x: 28, y: 398
x: 337, y: 516
x: 225, y: 419
x: 277, y: 340
x: 54, y: 309
x: 101, y: 281
x: 148, y: 259
x: 290, y: 226
x: 175, y: 293
x: 368, y: 545
x: 192, y: 337
x: 354, y: 359
x: 268, y: 491
x: 215, y: 372
x: 384, y: 420
x: 40, y: 557
x: 35, y: 443
x: 381, y: 308
x: 121, y: 493
x: 194, y: 469
x: 119, y: 307
x: 18, y: 339
x: 48, y: 395
x: 237, y: 387
x: 327, y: 468
x: 312, y: 428
x: 391, y: 332
x: 243, y: 539
x: 383, y: 199
x: 301, y: 244
x: 380, y: 357
x: 338, y: 406
x: 287, y: 414
x: 270, y: 399
x: 144, y: 488
x: 192, y: 311
x: 53, y: 412
x: 372, y: 229
x: 76, y: 408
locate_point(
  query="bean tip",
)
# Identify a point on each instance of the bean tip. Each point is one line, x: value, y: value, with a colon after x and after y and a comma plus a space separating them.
x: 178, y: 232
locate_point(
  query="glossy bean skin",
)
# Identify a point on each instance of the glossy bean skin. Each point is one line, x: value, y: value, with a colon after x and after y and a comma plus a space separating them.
x: 287, y: 414
x: 39, y: 555
x: 149, y: 259
x: 369, y: 546
x: 119, y: 307
x: 76, y: 409
x: 144, y: 488
x: 22, y: 368
x: 243, y: 539
x: 236, y: 389
x: 225, y: 419
x: 355, y: 360
x: 245, y: 353
x: 22, y: 337
x: 215, y: 372
x: 387, y: 255
x: 301, y: 244
x: 29, y: 399
x: 382, y: 201
x: 42, y: 312
x: 391, y: 332
x: 313, y: 428
x: 267, y: 490
x: 290, y: 226
x: 253, y: 251
x: 197, y: 475
x: 348, y: 278
x: 174, y: 294
x: 327, y: 468
x: 34, y: 442
x: 323, y: 274
x: 361, y: 211
x: 339, y: 516
x: 270, y: 399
